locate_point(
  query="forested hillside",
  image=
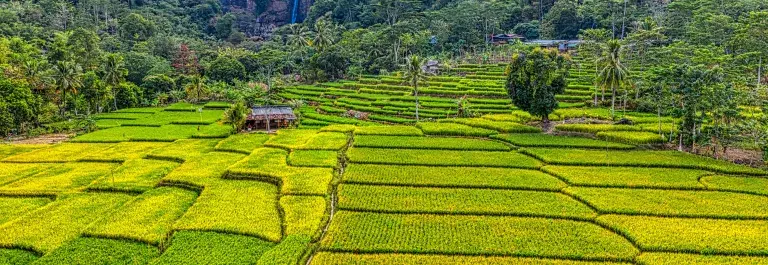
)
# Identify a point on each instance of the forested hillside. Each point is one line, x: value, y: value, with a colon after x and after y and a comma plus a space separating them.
x: 64, y: 60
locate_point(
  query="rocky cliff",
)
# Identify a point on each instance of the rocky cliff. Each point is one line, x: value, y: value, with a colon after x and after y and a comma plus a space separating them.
x: 261, y: 17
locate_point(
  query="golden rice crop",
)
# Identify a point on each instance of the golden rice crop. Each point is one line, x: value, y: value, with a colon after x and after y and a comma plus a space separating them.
x: 639, y: 177
x: 313, y: 158
x: 123, y: 151
x: 303, y: 215
x: 58, y: 153
x: 270, y: 164
x: 10, y: 172
x: 67, y: 177
x: 441, y: 158
x: 754, y: 185
x: 201, y: 247
x: 89, y: 250
x: 335, y: 258
x: 452, y: 129
x: 242, y: 143
x: 137, y: 175
x: 650, y: 258
x: 14, y: 207
x: 546, y: 140
x: 389, y: 130
x: 203, y: 169
x: 184, y: 149
x: 410, y: 142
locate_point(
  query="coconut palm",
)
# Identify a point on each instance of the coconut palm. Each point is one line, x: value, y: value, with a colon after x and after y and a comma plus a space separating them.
x: 613, y: 73
x: 67, y: 75
x: 236, y: 116
x: 196, y: 89
x: 114, y: 73
x: 414, y: 73
x: 298, y: 36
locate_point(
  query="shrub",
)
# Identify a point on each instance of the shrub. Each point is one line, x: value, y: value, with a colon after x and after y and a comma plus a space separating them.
x: 410, y: 142
x: 201, y: 247
x: 632, y: 137
x: 388, y: 199
x: 692, y: 235
x: 470, y: 177
x: 441, y: 158
x: 452, y: 129
x: 149, y: 218
x: 233, y: 206
x: 60, y: 221
x: 546, y: 140
x: 457, y: 234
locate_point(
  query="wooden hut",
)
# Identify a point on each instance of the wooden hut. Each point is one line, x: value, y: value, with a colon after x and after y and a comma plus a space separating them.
x: 270, y: 117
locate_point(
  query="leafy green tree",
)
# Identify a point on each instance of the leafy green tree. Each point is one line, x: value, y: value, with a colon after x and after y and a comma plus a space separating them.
x: 68, y: 76
x: 18, y: 106
x: 155, y: 85
x: 529, y: 30
x: 114, y: 73
x: 134, y: 27
x: 127, y: 95
x: 613, y: 74
x: 84, y: 47
x: 414, y: 73
x: 535, y: 78
x: 562, y: 22
x: 236, y: 116
x: 94, y: 91
x: 196, y: 89
x: 226, y: 69
x: 592, y: 47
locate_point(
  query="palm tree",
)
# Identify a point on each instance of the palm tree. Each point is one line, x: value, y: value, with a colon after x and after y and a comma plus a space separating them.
x: 236, y: 116
x: 196, y: 88
x: 324, y: 34
x: 68, y: 79
x: 114, y: 72
x: 413, y: 75
x: 613, y: 73
x: 299, y: 36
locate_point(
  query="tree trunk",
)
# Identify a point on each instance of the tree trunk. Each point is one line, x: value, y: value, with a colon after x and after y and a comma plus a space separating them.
x: 416, y: 94
x: 623, y: 19
x: 613, y: 104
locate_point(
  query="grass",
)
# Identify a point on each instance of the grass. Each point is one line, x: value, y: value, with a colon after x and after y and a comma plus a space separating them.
x: 289, y: 251
x: 68, y: 177
x: 377, y: 233
x: 123, y: 151
x: 204, y: 169
x: 500, y: 126
x: 136, y: 175
x: 452, y: 129
x: 14, y: 207
x: 629, y: 137
x: 706, y: 236
x: 408, y: 142
x: 595, y: 128
x: 386, y: 199
x: 58, y: 222
x: 58, y: 153
x: 304, y: 215
x: 270, y: 164
x: 695, y: 259
x: 739, y: 184
x: 242, y: 143
x: 16, y: 257
x: 672, y: 159
x: 148, y: 218
x: 10, y: 172
x: 87, y: 250
x: 313, y: 158
x: 427, y: 176
x: 441, y: 158
x: 673, y: 203
x: 7, y: 150
x: 308, y: 140
x: 332, y: 258
x: 389, y: 130
x: 636, y: 177
x: 546, y: 140
x: 199, y: 247
x: 184, y: 149
x: 234, y: 206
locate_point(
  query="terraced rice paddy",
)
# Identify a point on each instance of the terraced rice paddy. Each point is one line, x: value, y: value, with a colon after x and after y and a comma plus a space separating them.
x: 339, y: 190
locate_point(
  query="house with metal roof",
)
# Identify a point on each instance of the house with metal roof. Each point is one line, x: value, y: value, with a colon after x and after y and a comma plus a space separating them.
x: 270, y: 117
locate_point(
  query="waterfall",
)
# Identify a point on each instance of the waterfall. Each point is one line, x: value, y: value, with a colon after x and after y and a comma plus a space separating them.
x: 295, y: 10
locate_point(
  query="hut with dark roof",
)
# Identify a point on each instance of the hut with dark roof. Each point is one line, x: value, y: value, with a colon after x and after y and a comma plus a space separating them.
x: 270, y: 117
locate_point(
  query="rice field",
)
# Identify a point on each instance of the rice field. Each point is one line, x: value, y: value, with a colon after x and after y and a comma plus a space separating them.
x: 175, y: 186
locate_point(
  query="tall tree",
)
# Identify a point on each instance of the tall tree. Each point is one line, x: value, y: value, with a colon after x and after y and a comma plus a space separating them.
x: 114, y: 73
x: 414, y: 73
x: 68, y: 79
x: 196, y: 89
x: 613, y: 74
x: 535, y: 78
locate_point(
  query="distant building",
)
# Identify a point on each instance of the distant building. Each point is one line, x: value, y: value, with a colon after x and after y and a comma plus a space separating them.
x: 277, y: 116
x: 431, y: 67
x: 504, y: 38
x: 562, y: 45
